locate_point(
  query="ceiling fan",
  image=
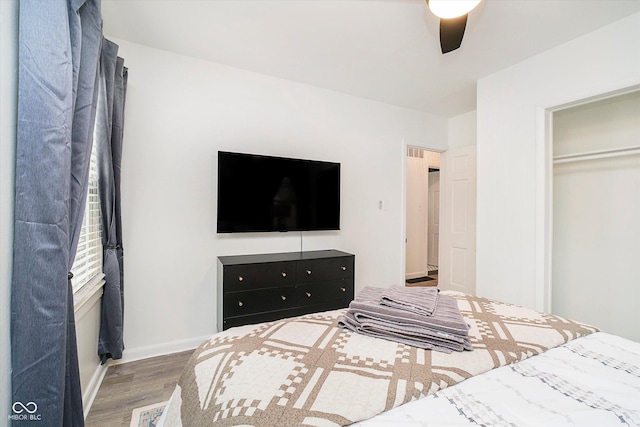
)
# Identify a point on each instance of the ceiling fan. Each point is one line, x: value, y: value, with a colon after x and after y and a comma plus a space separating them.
x: 453, y: 20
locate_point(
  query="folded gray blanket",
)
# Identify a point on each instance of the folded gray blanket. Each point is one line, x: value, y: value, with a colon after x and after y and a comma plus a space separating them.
x: 445, y: 330
x: 416, y: 300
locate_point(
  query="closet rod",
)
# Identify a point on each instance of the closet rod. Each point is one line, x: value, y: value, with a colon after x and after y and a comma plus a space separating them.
x: 600, y: 154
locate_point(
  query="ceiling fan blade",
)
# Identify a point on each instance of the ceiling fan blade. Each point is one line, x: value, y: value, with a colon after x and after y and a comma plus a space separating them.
x: 451, y: 33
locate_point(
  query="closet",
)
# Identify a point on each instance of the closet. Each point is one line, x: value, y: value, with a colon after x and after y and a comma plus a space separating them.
x: 595, y: 266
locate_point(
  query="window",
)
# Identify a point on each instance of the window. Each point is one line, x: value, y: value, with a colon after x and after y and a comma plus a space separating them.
x: 88, y: 261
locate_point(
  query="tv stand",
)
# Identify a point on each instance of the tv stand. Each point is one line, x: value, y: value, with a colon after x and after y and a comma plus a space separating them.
x: 265, y: 287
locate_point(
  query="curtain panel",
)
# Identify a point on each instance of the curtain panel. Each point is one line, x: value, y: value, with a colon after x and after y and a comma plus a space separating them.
x: 109, y: 129
x: 59, y: 53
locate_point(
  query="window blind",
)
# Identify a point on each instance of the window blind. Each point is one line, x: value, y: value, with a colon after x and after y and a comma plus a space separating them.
x: 88, y: 261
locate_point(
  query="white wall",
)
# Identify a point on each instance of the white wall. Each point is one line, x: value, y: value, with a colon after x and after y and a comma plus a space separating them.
x: 513, y: 158
x: 600, y: 125
x: 87, y: 317
x: 8, y: 100
x: 179, y: 112
x: 462, y: 130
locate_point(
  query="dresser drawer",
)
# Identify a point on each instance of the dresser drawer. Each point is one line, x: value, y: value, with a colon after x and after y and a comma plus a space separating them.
x: 262, y: 300
x: 257, y: 276
x: 320, y: 292
x: 318, y: 270
x: 265, y: 287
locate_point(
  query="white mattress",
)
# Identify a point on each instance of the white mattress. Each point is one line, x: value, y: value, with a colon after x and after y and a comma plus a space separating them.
x: 590, y: 381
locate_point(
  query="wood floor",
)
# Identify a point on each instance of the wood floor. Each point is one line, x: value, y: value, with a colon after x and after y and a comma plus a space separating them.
x: 433, y: 282
x: 132, y: 385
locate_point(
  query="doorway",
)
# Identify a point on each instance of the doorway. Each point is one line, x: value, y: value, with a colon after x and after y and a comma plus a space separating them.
x: 422, y: 217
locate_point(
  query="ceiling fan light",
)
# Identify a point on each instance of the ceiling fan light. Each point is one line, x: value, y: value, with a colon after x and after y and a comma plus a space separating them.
x: 447, y: 9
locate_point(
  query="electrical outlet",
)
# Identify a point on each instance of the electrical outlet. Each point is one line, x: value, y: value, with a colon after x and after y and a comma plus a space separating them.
x: 380, y: 204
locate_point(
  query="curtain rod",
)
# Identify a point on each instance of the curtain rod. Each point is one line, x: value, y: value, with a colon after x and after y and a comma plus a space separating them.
x: 598, y: 154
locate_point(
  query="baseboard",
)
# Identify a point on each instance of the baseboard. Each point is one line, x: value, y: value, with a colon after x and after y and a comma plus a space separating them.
x: 133, y: 354
x: 91, y: 391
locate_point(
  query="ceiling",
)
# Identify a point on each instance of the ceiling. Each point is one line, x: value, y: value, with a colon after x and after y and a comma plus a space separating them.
x: 383, y: 50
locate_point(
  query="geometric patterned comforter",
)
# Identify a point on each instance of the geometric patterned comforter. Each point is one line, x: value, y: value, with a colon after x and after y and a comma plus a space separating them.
x: 306, y: 371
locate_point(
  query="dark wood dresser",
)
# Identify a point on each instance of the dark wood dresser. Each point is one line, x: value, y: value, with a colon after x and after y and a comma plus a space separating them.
x: 266, y: 287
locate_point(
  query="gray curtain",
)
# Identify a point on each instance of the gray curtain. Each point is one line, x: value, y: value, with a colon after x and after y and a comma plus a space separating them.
x: 109, y: 128
x: 59, y: 46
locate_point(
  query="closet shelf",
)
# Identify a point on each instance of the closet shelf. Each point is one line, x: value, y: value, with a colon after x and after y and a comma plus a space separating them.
x: 598, y: 154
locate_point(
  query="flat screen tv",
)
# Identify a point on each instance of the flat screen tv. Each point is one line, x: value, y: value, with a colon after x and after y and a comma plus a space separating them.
x: 264, y: 193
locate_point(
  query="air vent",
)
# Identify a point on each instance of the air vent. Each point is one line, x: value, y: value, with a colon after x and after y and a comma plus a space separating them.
x: 415, y: 152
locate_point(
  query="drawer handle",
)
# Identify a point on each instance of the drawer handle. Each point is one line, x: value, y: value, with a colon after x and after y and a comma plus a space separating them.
x: 240, y: 278
x: 284, y: 274
x: 283, y: 297
x: 308, y: 294
x: 308, y: 271
x: 240, y: 304
x: 344, y: 268
x: 343, y: 289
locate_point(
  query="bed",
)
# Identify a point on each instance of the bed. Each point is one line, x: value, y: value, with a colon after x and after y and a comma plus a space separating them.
x: 526, y: 368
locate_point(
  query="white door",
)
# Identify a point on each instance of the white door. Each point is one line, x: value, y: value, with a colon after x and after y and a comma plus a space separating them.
x: 434, y: 218
x: 457, y: 267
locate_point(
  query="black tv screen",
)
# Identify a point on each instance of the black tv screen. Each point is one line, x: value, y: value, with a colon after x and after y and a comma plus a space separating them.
x: 264, y: 193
